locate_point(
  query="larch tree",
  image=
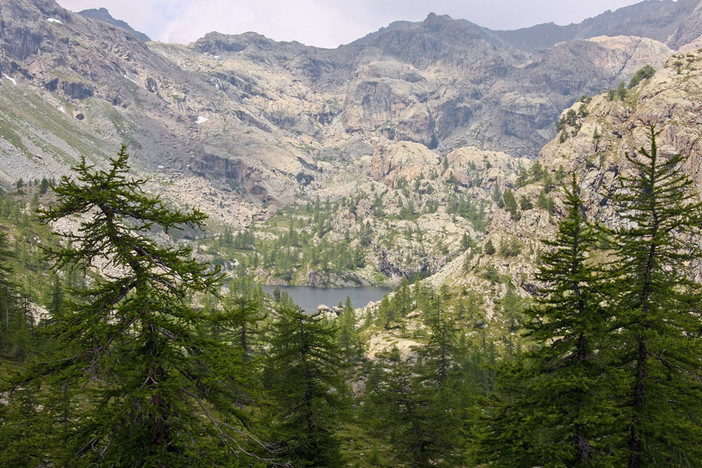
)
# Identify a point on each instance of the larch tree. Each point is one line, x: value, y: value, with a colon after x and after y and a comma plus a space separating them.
x: 9, y: 302
x: 303, y: 375
x: 136, y: 378
x: 656, y: 306
x: 402, y: 412
x: 548, y: 411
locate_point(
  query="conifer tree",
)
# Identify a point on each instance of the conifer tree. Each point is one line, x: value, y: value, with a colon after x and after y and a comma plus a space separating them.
x: 16, y: 320
x: 135, y: 378
x: 510, y: 204
x: 656, y: 306
x: 549, y: 412
x: 8, y: 297
x: 348, y: 341
x: 441, y: 376
x: 243, y: 316
x: 402, y: 405
x: 303, y: 374
x: 439, y: 355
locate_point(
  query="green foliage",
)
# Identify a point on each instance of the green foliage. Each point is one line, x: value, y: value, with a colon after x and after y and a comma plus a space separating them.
x: 510, y: 247
x: 135, y: 375
x: 15, y: 320
x: 551, y: 403
x: 44, y: 187
x: 303, y: 375
x: 406, y: 407
x: 467, y: 242
x: 545, y: 202
x: 511, y: 205
x: 422, y: 407
x: 468, y: 209
x: 525, y: 204
x: 655, y: 313
x: 294, y: 239
x: 644, y: 73
x: 491, y: 274
x: 571, y: 120
x: 348, y: 340
x: 489, y: 248
x: 614, y: 377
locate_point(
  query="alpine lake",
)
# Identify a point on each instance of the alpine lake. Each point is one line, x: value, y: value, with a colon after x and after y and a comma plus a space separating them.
x: 310, y: 298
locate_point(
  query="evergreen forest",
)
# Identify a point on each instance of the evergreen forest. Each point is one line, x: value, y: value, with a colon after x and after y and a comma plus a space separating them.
x: 120, y: 347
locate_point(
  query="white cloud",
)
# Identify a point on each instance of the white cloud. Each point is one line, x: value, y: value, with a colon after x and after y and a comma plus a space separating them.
x: 328, y: 23
x: 307, y: 21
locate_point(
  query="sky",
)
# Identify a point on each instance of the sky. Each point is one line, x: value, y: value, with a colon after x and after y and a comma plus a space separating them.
x: 329, y: 23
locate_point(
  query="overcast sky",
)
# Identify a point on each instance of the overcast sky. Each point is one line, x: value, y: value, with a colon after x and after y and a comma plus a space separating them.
x: 329, y: 23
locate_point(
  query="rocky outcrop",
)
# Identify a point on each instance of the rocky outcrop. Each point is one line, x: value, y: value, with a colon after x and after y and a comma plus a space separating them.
x: 102, y: 14
x: 595, y: 145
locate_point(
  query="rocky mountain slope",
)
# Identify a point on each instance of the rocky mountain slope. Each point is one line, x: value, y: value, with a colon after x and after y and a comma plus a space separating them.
x: 403, y: 132
x: 593, y: 146
x: 103, y: 15
x: 256, y: 113
x: 672, y: 22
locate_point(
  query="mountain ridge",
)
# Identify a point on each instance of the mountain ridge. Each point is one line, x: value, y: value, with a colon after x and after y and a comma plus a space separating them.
x: 242, y: 126
x: 102, y: 14
x: 667, y: 21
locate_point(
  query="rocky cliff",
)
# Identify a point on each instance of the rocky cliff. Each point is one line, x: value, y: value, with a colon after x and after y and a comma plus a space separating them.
x: 255, y: 117
x: 592, y: 143
x: 672, y: 22
x: 103, y: 15
x: 419, y: 115
x: 593, y: 146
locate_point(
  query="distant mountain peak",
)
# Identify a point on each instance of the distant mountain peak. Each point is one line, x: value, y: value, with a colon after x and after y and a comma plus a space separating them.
x: 672, y: 22
x: 102, y: 14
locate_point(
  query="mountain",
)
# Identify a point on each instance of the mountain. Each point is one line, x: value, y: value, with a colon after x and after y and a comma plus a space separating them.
x: 672, y: 22
x: 592, y: 144
x: 102, y: 14
x: 243, y: 126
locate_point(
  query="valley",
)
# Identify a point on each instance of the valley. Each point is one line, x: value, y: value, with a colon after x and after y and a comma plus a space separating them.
x: 484, y: 190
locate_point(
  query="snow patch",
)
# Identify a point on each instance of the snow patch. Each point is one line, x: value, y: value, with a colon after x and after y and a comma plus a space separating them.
x: 61, y: 109
x: 11, y: 79
x: 201, y: 119
x: 54, y: 20
x: 133, y: 81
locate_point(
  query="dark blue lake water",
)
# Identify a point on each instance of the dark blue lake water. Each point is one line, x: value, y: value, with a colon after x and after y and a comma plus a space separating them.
x: 310, y: 298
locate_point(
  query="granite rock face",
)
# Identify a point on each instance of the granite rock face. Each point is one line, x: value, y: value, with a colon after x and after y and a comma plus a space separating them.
x: 594, y: 147
x: 262, y: 121
x: 672, y: 22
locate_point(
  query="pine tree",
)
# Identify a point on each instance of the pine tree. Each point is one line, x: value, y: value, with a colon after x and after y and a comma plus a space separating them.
x: 439, y: 355
x: 656, y: 307
x: 8, y: 296
x: 243, y: 316
x: 510, y: 204
x: 551, y: 411
x: 16, y: 321
x: 440, y: 375
x: 135, y: 380
x: 303, y: 375
x: 348, y: 340
x: 402, y: 405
